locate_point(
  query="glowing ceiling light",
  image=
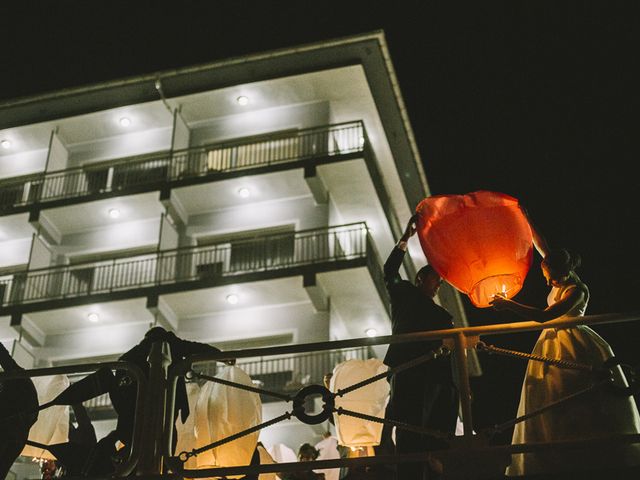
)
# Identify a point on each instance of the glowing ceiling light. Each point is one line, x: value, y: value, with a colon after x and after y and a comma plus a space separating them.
x: 232, y: 298
x: 93, y: 317
x: 114, y: 212
x: 5, y: 143
x: 371, y: 332
x: 125, y: 121
x: 242, y: 100
x: 244, y: 192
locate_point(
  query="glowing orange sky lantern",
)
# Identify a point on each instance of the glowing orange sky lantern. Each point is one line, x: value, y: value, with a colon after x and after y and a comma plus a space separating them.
x: 481, y: 242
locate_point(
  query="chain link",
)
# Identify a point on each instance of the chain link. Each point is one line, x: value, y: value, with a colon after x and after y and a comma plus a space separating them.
x: 483, y: 347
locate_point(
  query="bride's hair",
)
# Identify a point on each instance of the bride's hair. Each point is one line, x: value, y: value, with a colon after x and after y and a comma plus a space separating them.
x: 561, y: 261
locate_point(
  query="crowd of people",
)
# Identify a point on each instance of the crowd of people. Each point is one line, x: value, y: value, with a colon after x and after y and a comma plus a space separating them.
x: 425, y: 395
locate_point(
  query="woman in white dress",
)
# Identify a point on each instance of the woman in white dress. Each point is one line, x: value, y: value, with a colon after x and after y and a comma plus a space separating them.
x: 598, y: 413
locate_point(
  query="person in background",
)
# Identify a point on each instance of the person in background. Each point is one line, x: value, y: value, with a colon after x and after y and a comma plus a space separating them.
x: 18, y: 412
x: 306, y: 453
x: 72, y: 457
x: 50, y: 469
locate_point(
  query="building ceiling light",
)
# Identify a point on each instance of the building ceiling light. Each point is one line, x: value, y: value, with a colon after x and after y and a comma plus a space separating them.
x: 371, y: 332
x: 114, y: 212
x: 244, y: 192
x: 232, y: 298
x: 93, y: 317
x: 5, y: 143
x: 125, y: 121
x: 242, y: 100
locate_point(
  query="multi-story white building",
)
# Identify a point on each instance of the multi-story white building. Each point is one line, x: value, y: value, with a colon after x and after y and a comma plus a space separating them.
x: 244, y: 203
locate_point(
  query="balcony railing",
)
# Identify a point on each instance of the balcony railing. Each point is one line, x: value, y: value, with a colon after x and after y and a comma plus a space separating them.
x: 205, y: 263
x: 282, y: 374
x: 475, y: 454
x: 289, y: 373
x: 148, y: 172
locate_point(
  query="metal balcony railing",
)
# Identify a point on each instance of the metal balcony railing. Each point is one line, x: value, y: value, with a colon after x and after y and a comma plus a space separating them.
x: 249, y: 255
x: 285, y: 373
x: 472, y: 453
x: 150, y: 171
x: 289, y: 373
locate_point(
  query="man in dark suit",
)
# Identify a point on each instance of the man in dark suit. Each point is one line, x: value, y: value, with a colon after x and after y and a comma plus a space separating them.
x: 424, y: 395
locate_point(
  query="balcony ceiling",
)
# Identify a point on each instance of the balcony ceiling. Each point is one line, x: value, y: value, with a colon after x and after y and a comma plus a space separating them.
x: 264, y: 309
x: 255, y: 295
x: 224, y: 194
x: 345, y: 85
x: 90, y: 216
x: 74, y: 319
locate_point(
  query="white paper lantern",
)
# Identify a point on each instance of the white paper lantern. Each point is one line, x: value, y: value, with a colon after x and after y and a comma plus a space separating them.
x: 328, y: 448
x: 221, y: 411
x: 283, y: 454
x: 371, y: 400
x: 52, y: 425
x: 186, y: 431
x: 266, y: 459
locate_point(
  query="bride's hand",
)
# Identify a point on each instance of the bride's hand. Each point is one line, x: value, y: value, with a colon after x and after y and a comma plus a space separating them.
x: 499, y: 302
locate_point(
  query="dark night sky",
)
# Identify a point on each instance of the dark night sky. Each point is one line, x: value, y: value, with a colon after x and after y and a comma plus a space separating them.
x: 534, y: 99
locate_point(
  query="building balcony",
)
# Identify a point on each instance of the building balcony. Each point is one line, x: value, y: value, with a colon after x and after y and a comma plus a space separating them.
x: 267, y: 153
x: 169, y: 271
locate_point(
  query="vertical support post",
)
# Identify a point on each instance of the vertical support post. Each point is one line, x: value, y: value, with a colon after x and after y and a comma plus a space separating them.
x: 463, y: 383
x: 109, y: 185
x: 155, y: 404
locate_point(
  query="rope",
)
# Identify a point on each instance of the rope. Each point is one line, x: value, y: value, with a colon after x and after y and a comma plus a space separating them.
x: 394, y: 423
x: 530, y: 356
x: 184, y: 456
x: 439, y: 352
x: 242, y: 386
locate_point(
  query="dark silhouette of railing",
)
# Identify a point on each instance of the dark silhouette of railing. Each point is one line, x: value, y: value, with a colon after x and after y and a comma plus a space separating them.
x: 249, y: 255
x: 152, y: 171
x: 287, y: 373
x: 474, y: 453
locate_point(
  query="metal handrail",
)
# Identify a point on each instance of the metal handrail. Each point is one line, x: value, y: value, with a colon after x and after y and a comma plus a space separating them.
x: 247, y: 255
x: 130, y: 173
x: 304, y: 368
x: 461, y: 339
x: 311, y: 368
x: 452, y: 333
x: 465, y: 338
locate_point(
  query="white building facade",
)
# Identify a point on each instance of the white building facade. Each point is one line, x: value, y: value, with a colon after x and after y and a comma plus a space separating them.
x: 245, y: 203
